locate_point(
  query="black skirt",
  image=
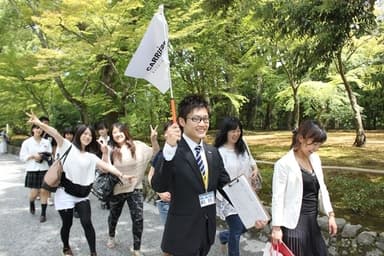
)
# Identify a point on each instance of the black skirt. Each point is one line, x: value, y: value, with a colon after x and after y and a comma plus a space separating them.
x: 34, y: 179
x: 306, y: 239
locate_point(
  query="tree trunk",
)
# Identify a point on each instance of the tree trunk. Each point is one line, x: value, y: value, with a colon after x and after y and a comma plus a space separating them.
x: 360, y: 138
x: 296, y: 101
x: 296, y: 108
x: 268, y: 114
x: 79, y: 105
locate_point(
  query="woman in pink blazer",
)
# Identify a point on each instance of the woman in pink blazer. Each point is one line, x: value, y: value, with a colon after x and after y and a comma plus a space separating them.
x: 298, y: 191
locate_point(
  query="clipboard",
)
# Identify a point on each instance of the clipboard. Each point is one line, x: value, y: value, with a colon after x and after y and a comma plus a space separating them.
x: 245, y: 201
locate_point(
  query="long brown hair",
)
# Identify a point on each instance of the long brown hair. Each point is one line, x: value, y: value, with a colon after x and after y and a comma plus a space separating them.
x: 116, y: 148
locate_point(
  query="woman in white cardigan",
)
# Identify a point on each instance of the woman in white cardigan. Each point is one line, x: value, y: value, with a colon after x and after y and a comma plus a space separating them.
x: 298, y: 191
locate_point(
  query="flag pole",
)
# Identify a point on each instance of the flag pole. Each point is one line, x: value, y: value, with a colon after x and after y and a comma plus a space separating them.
x: 173, y: 106
x: 172, y: 101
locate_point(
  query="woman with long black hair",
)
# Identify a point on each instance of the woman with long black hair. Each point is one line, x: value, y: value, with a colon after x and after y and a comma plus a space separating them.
x: 237, y: 161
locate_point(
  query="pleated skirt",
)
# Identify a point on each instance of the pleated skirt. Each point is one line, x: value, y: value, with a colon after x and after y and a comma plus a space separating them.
x: 306, y: 239
x: 34, y: 179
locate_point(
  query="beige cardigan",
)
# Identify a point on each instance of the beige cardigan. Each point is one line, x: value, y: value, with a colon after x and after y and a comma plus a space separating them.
x: 133, y: 166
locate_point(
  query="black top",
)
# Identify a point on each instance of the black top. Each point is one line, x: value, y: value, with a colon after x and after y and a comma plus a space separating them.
x: 310, y: 193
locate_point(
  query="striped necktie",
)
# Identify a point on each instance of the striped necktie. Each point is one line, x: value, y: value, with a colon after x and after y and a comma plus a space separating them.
x: 199, y: 160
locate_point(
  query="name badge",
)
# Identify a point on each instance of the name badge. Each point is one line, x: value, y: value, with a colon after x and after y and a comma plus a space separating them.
x: 206, y: 199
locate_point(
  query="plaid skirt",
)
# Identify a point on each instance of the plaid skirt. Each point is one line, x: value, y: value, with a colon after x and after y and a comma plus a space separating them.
x: 34, y: 179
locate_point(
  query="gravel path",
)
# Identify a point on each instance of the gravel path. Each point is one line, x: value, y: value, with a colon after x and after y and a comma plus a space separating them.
x: 21, y: 234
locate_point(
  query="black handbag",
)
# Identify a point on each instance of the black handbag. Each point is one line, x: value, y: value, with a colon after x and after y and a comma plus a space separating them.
x: 103, y: 186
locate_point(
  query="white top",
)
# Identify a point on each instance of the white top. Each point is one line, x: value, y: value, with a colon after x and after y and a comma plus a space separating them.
x: 235, y: 165
x: 287, y: 190
x: 79, y: 167
x: 31, y: 147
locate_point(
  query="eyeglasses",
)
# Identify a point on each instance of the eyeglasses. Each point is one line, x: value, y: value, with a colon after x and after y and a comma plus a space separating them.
x: 198, y: 119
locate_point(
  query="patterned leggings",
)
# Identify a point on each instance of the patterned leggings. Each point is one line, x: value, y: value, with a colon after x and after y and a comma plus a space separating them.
x: 135, y: 203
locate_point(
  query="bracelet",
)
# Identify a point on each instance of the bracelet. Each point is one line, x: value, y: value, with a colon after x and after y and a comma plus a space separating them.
x: 331, y: 214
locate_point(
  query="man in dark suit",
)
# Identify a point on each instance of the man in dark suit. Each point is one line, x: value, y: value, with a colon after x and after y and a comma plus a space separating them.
x: 191, y: 171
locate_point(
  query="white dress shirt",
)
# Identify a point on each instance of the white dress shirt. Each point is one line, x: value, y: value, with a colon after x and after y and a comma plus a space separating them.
x: 31, y: 147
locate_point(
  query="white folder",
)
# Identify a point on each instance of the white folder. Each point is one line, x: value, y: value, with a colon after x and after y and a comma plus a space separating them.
x: 245, y: 201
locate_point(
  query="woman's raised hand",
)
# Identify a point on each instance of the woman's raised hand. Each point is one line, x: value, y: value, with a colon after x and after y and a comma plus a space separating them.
x: 33, y: 119
x: 153, y: 132
x: 103, y: 146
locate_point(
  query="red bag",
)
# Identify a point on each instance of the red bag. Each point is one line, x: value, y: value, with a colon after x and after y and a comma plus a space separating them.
x: 282, y: 248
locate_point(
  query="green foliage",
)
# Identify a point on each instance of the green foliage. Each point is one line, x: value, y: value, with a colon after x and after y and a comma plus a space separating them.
x: 361, y: 195
x: 66, y: 59
x: 358, y: 193
x: 63, y: 116
x: 265, y: 193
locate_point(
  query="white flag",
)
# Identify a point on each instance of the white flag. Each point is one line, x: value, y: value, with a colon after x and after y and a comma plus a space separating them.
x: 150, y: 60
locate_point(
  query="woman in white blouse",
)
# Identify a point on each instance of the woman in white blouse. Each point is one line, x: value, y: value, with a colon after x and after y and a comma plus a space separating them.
x: 237, y: 161
x: 36, y: 166
x: 298, y: 189
x: 77, y: 178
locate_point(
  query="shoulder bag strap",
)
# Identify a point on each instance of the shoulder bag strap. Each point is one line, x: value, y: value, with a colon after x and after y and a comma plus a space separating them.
x: 65, y: 154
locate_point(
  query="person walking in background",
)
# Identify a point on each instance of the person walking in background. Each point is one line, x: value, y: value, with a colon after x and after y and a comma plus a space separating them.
x: 103, y: 138
x: 297, y: 190
x: 131, y: 157
x: 162, y: 202
x: 32, y: 152
x: 164, y: 198
x: 237, y: 161
x: 191, y: 171
x: 68, y: 133
x: 45, y: 135
x: 3, y: 142
x: 77, y: 178
x: 102, y: 132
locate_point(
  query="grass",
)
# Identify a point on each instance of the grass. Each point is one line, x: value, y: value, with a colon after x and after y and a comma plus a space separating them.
x: 338, y: 150
x: 354, y: 195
